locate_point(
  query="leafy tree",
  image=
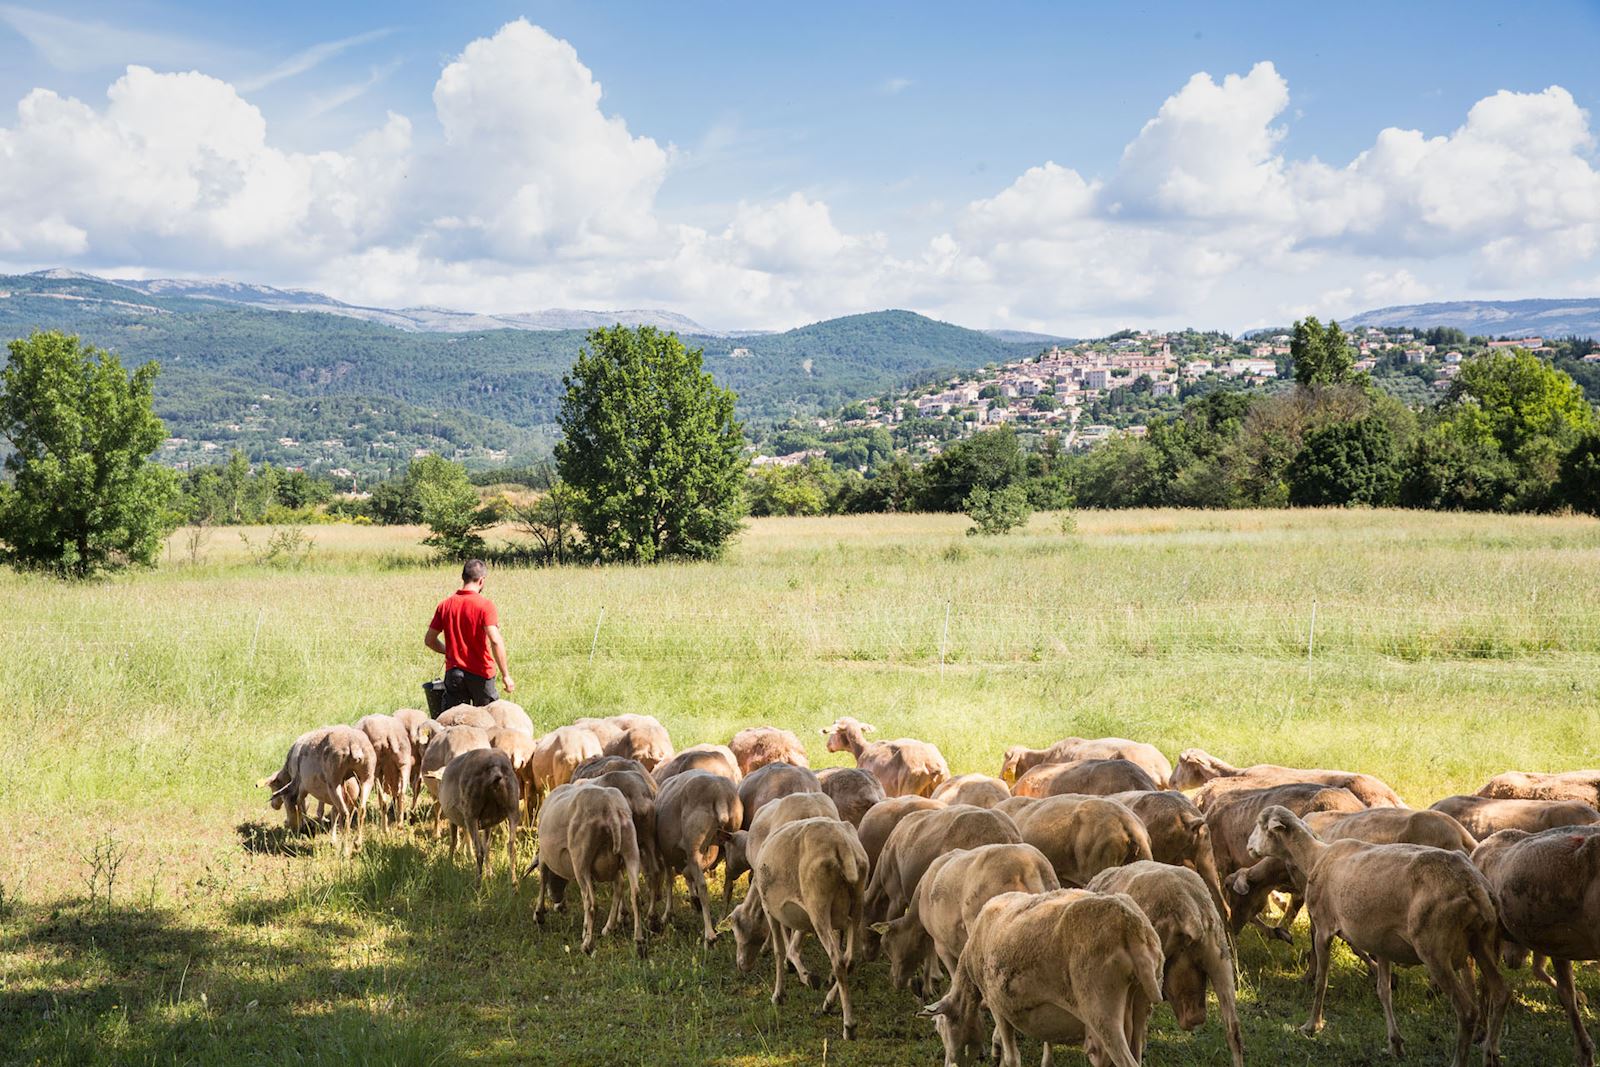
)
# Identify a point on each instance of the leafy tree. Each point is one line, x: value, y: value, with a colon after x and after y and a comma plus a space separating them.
x: 300, y: 491
x: 1345, y: 463
x: 803, y: 489
x: 1322, y: 355
x: 449, y: 507
x: 1578, y: 486
x: 997, y: 511
x: 85, y: 496
x: 652, y: 448
x: 552, y: 521
x: 1522, y: 397
x: 1457, y: 465
x: 991, y: 459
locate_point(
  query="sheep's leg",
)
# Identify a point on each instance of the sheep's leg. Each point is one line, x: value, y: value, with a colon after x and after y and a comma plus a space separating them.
x: 544, y: 880
x: 511, y: 849
x: 1397, y: 1045
x: 480, y: 846
x: 616, y: 905
x: 1567, y: 993
x: 791, y: 948
x: 633, y: 910
x: 1006, y: 1035
x: 775, y: 933
x: 453, y: 836
x: 1322, y: 956
x: 696, y: 877
x: 586, y: 891
x: 1219, y: 968
x: 341, y: 814
x: 840, y: 959
x: 1047, y: 1058
x: 362, y: 796
x: 1495, y: 996
x: 1445, y: 977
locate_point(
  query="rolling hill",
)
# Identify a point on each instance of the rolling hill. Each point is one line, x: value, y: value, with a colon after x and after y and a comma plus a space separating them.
x: 301, y: 385
x: 1494, y: 318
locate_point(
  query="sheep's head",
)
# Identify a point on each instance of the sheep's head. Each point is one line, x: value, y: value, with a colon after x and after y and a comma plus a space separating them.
x: 749, y: 925
x: 1193, y: 769
x: 1271, y: 834
x: 844, y: 731
x: 1012, y: 762
x: 955, y: 1016
x: 906, y: 944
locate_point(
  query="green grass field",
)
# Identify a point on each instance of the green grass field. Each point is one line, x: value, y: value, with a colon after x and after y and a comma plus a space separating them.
x: 153, y: 912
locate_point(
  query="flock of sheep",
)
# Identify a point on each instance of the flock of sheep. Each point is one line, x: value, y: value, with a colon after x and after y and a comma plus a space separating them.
x: 1064, y: 898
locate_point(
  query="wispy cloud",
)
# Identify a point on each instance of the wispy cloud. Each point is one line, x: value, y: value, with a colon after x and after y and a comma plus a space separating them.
x: 896, y: 86
x: 323, y: 103
x: 310, y: 58
x: 81, y: 44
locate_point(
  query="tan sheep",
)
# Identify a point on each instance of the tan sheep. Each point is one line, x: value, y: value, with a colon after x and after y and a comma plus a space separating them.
x: 1212, y: 777
x: 642, y: 738
x: 1391, y: 826
x: 446, y: 746
x: 558, y: 754
x: 594, y: 768
x: 1019, y: 760
x: 1581, y: 786
x: 881, y: 819
x: 809, y: 878
x: 765, y: 784
x: 392, y: 743
x: 917, y: 841
x: 468, y: 715
x: 606, y: 730
x: 510, y: 716
x: 586, y: 836
x: 1097, y: 777
x: 745, y: 845
x: 520, y: 747
x: 640, y: 791
x: 320, y: 765
x: 714, y: 759
x: 954, y: 889
x: 696, y: 813
x: 1083, y: 835
x: 1067, y: 967
x: 1194, y: 940
x: 420, y: 728
x: 852, y: 790
x: 979, y: 790
x: 1178, y: 835
x: 1482, y: 816
x: 479, y: 790
x: 758, y: 746
x: 1398, y: 904
x: 904, y: 767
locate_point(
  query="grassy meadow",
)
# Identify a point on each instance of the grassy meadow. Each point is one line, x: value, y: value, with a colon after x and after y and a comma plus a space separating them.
x: 152, y: 910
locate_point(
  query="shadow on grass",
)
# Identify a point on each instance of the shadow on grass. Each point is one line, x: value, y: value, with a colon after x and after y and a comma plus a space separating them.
x: 264, y: 839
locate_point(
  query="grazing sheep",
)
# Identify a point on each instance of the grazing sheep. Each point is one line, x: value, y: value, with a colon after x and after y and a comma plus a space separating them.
x: 510, y: 716
x: 1392, y: 826
x: 765, y: 784
x: 640, y: 791
x: 421, y: 729
x: 955, y: 888
x: 714, y: 759
x: 450, y: 743
x: 468, y: 715
x: 1194, y: 940
x: 1065, y: 967
x: 1019, y: 760
x: 520, y: 747
x: 586, y: 836
x: 322, y: 762
x: 881, y: 819
x: 1083, y: 835
x: 1097, y: 777
x: 642, y: 738
x: 758, y: 746
x: 745, y: 845
x: 979, y: 790
x: 392, y: 743
x: 852, y: 790
x: 917, y: 841
x: 275, y: 782
x: 606, y: 730
x: 1546, y: 887
x: 904, y: 767
x: 479, y: 790
x: 558, y: 754
x: 809, y: 878
x: 1482, y: 816
x: 696, y: 813
x: 1198, y: 769
x: 1178, y: 835
x: 594, y: 768
x: 1582, y: 786
x: 1398, y: 904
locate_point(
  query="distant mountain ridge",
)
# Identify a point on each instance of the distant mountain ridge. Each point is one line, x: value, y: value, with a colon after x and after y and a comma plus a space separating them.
x: 1578, y: 317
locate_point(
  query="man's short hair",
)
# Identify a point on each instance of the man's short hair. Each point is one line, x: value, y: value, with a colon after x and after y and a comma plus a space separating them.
x: 474, y: 570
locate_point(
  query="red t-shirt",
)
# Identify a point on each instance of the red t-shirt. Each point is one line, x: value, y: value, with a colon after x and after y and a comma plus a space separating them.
x: 464, y: 619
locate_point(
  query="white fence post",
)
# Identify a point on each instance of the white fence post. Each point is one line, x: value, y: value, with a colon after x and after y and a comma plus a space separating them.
x: 944, y: 641
x: 254, y: 634
x: 595, y: 641
x: 1311, y: 638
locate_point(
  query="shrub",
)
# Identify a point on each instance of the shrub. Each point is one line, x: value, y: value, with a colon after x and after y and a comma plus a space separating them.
x: 997, y: 511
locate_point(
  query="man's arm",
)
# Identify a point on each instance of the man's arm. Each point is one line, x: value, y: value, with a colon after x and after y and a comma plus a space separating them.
x: 434, y: 639
x: 497, y: 648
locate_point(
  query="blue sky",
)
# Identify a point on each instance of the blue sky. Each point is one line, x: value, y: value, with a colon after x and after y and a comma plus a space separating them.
x: 770, y: 164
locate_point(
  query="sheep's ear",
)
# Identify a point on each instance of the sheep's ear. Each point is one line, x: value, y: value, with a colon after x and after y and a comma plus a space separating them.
x: 881, y: 929
x: 825, y: 731
x: 284, y: 790
x: 435, y: 775
x: 262, y: 783
x: 867, y: 728
x: 934, y: 1010
x: 726, y: 924
x: 1240, y: 882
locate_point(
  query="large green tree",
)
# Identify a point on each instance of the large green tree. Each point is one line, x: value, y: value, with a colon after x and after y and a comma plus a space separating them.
x: 1321, y: 354
x: 989, y: 459
x: 651, y: 447
x: 1345, y: 463
x: 84, y: 496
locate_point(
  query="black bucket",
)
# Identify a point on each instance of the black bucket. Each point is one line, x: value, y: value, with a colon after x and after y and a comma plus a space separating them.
x: 433, y: 692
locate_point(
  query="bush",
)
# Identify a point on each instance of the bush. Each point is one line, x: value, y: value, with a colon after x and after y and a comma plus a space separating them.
x: 1345, y: 463
x: 997, y: 511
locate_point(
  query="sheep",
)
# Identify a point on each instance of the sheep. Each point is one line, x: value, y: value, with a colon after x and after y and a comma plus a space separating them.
x: 450, y: 743
x: 745, y: 845
x: 809, y: 878
x: 606, y: 730
x: 1482, y: 816
x: 1582, y: 786
x: 1099, y: 777
x: 1388, y: 826
x: 1198, y: 769
x: 1398, y: 904
x: 765, y: 784
x: 905, y: 767
x: 1083, y: 835
x: 275, y: 782
x: 392, y: 743
x: 979, y: 790
x: 852, y: 790
x: 322, y: 762
x: 510, y: 716
x: 881, y: 819
x: 1546, y: 886
x: 920, y: 838
x: 421, y: 729
x: 1178, y: 835
x: 642, y: 738
x: 1194, y: 940
x: 696, y: 813
x: 520, y: 747
x: 955, y: 888
x: 1019, y: 760
x: 558, y: 754
x: 468, y: 715
x: 594, y: 768
x: 640, y: 792
x: 715, y: 759
x: 477, y: 791
x: 586, y: 835
x: 1064, y: 967
x: 758, y: 746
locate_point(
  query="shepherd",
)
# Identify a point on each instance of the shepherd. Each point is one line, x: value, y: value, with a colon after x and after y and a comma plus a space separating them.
x: 466, y: 631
